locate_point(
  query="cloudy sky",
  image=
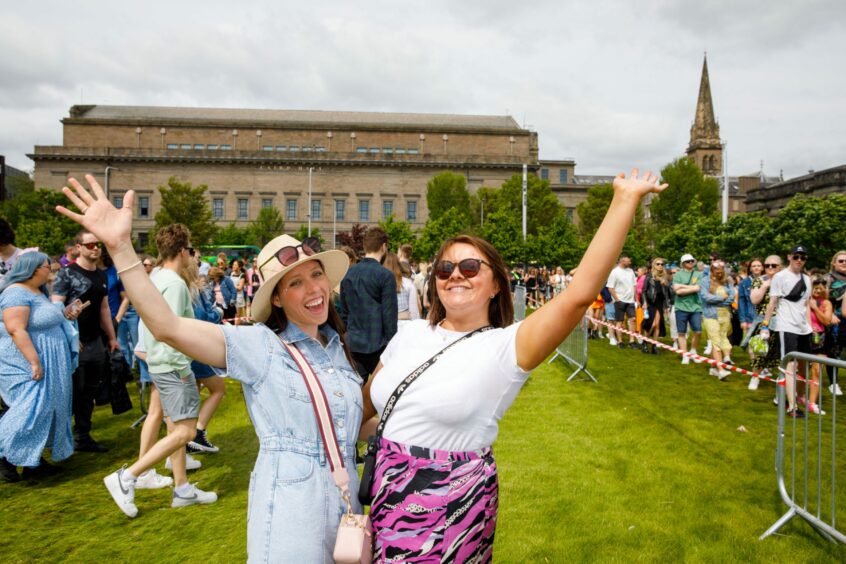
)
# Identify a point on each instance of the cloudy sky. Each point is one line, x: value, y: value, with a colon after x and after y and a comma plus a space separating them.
x: 608, y: 83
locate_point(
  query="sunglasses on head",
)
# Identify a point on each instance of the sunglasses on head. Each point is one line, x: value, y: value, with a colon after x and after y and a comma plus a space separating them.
x: 468, y: 268
x: 770, y: 265
x: 289, y: 255
x: 92, y: 246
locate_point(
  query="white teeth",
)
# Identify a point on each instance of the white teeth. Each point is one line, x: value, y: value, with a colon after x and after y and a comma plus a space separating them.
x: 315, y: 303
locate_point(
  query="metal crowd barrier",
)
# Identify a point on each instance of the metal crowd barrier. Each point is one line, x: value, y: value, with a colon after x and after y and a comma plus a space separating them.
x: 809, y: 486
x: 519, y: 297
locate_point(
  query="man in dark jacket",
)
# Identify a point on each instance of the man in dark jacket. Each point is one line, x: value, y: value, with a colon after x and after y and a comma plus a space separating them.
x: 369, y: 304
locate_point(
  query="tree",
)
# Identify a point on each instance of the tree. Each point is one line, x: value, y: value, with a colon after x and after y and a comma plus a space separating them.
x: 592, y: 211
x: 302, y: 233
x: 686, y: 183
x: 448, y: 191
x: 18, y: 185
x: 267, y: 226
x: 449, y: 224
x: 504, y: 230
x: 354, y: 238
x: 542, y: 206
x: 232, y: 235
x: 745, y: 236
x: 186, y: 204
x: 35, y: 222
x: 557, y: 244
x: 695, y: 233
x: 817, y: 223
x: 399, y: 233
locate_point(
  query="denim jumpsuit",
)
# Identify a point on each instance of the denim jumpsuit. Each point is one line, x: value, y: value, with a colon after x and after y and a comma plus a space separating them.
x: 294, y: 506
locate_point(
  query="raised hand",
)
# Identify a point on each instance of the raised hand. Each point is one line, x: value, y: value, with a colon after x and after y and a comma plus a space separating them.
x: 637, y: 186
x: 112, y: 226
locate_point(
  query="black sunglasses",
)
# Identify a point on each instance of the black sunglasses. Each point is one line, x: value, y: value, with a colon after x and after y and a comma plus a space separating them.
x: 659, y: 264
x: 289, y: 255
x: 468, y: 268
x: 798, y: 256
x: 770, y: 265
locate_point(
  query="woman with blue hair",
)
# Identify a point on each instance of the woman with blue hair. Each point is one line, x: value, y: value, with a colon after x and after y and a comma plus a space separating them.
x: 36, y: 361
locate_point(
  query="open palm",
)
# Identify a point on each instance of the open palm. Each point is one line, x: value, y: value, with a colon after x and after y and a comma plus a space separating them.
x: 637, y: 185
x: 109, y: 224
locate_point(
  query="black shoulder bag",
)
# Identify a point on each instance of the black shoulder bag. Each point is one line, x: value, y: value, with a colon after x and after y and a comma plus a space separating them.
x: 365, y: 488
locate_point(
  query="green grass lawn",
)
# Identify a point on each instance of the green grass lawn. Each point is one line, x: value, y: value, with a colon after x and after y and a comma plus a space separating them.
x: 646, y: 465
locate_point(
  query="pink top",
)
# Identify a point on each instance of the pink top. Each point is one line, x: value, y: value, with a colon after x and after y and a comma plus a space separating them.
x: 815, y: 323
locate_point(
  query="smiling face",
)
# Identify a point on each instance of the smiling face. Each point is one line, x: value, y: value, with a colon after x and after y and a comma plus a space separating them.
x: 466, y: 297
x: 304, y: 295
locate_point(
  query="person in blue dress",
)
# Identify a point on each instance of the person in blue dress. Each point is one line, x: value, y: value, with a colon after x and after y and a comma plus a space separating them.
x: 294, y: 507
x: 36, y: 361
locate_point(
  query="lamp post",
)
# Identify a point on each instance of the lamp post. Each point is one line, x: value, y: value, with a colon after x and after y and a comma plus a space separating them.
x: 483, y: 211
x: 309, y: 200
x: 108, y: 170
x: 725, y: 183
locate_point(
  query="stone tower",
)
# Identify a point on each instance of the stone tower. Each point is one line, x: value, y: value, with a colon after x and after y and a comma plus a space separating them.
x: 705, y: 148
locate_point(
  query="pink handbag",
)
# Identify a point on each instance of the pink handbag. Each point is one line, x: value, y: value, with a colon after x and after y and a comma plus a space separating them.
x: 354, y: 543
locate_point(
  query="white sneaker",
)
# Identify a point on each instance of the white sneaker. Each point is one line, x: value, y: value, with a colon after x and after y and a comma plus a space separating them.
x: 708, y: 348
x: 753, y: 383
x: 122, y: 492
x: 714, y: 372
x: 814, y: 408
x: 766, y: 372
x: 696, y: 360
x: 191, y: 463
x: 613, y: 341
x: 685, y: 359
x: 194, y: 497
x: 835, y: 390
x: 723, y: 373
x: 152, y: 480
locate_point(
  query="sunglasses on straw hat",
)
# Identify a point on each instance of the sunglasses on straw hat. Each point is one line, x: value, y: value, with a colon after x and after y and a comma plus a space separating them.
x: 289, y: 255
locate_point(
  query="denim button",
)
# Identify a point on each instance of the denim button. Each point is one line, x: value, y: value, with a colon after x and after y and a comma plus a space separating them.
x: 340, y: 423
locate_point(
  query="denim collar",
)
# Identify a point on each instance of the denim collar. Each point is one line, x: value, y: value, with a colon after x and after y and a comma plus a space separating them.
x: 293, y: 334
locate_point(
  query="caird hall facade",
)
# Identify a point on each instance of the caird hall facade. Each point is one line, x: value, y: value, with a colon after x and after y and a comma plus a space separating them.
x: 364, y: 166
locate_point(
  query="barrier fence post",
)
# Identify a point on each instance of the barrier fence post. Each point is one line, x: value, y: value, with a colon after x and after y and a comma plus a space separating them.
x: 519, y: 297
x: 574, y: 350
x: 811, y: 470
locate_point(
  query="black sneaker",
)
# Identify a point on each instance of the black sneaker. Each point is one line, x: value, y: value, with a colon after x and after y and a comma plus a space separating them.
x: 8, y: 471
x: 654, y: 349
x: 621, y: 345
x: 796, y: 413
x: 89, y: 445
x: 201, y: 443
x: 634, y: 345
x: 645, y: 348
x: 43, y: 469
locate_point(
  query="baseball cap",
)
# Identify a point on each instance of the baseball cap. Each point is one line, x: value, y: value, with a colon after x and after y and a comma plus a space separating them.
x: 799, y: 249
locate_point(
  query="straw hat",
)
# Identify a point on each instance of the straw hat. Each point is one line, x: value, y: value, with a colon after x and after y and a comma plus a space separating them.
x: 271, y: 271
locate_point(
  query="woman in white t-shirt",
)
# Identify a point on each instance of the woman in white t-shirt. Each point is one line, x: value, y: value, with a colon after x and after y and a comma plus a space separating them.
x: 435, y: 479
x: 408, y: 305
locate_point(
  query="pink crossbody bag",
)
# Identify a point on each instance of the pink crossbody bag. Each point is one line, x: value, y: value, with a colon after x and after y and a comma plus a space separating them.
x: 354, y: 542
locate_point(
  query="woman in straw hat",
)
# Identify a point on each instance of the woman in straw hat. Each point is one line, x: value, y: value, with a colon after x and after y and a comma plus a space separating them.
x: 294, y: 506
x: 434, y: 482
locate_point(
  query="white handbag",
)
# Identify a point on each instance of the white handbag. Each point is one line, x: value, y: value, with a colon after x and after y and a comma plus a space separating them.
x: 354, y: 543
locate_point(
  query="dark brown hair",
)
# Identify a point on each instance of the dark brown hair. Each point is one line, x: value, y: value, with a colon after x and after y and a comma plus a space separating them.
x: 374, y: 239
x: 500, y: 308
x: 171, y: 239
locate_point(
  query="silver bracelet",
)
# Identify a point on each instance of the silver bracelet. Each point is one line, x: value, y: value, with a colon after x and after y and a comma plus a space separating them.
x: 133, y: 265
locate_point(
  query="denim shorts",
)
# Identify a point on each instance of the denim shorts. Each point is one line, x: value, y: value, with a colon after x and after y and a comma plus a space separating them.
x: 682, y: 319
x: 609, y: 311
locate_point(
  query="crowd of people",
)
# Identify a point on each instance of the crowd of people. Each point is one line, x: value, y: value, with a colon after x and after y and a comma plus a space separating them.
x: 760, y: 305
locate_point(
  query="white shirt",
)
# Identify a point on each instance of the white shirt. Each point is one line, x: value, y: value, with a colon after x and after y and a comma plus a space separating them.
x: 623, y: 282
x: 457, y: 403
x: 407, y: 300
x: 792, y: 316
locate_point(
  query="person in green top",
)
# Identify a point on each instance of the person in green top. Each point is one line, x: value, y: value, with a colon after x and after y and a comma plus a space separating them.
x: 687, y: 305
x: 171, y: 373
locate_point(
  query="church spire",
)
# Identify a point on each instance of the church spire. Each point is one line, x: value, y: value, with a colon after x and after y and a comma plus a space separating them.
x: 705, y: 146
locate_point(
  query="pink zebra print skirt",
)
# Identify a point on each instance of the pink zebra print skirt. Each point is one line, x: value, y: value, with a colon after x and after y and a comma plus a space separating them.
x: 433, y: 505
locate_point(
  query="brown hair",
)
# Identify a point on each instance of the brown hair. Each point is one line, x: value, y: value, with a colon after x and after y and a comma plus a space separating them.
x: 500, y: 308
x: 374, y: 239
x: 662, y: 275
x: 717, y: 275
x: 215, y: 273
x: 392, y: 263
x: 171, y: 239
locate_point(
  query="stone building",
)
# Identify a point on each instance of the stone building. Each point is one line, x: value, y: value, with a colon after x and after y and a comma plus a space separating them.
x: 773, y: 196
x: 362, y: 166
x: 705, y: 147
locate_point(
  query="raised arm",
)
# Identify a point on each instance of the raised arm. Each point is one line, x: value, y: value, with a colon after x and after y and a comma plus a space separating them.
x: 199, y: 340
x: 542, y: 331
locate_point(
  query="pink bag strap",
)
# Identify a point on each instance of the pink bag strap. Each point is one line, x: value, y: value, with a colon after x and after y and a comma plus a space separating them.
x: 324, y: 421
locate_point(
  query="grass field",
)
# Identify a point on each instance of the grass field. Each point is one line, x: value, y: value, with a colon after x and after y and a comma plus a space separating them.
x: 646, y: 465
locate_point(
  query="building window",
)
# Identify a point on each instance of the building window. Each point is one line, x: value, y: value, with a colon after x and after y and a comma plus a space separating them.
x: 562, y: 176
x: 320, y: 149
x: 267, y: 147
x: 243, y: 208
x: 281, y: 147
x: 400, y: 151
x: 388, y: 150
x: 387, y: 209
x: 413, y: 152
x: 374, y: 149
x: 143, y: 239
x: 217, y: 208
x: 266, y: 203
x: 544, y: 174
x: 211, y: 147
x: 117, y: 201
x: 199, y: 147
x: 294, y: 149
x: 226, y: 147
x: 315, y: 210
x: 172, y: 146
x: 291, y: 210
x: 185, y: 146
x: 361, y: 150
x: 340, y: 209
x: 570, y: 212
x: 144, y: 206
x: 411, y: 211
x: 364, y: 210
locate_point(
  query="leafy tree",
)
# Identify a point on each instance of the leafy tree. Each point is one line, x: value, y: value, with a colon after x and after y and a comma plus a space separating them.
x: 399, y: 233
x: 186, y: 204
x: 815, y: 222
x: 354, y: 238
x: 18, y: 185
x: 487, y: 197
x: 686, y: 182
x: 449, y: 224
x: 35, y: 222
x: 542, y: 206
x: 694, y: 233
x: 448, y: 191
x: 592, y: 211
x: 557, y: 244
x: 233, y: 235
x: 267, y: 226
x: 745, y: 235
x: 302, y: 233
x: 504, y: 231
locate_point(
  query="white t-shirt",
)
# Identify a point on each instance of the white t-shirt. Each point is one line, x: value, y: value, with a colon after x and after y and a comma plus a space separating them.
x: 623, y: 281
x: 792, y: 316
x: 457, y: 403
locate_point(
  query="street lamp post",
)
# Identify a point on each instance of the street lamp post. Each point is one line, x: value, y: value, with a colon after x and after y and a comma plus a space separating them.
x: 483, y: 211
x: 725, y: 183
x: 108, y: 170
x: 335, y: 224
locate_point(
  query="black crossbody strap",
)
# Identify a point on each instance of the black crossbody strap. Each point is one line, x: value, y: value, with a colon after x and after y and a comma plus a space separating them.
x: 392, y: 401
